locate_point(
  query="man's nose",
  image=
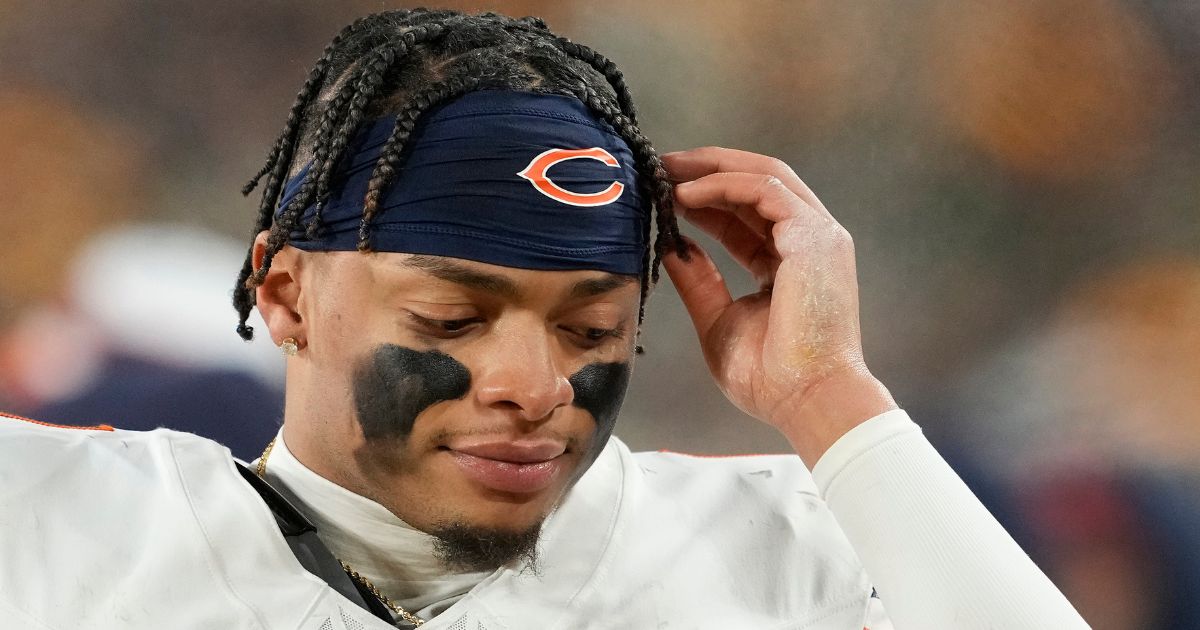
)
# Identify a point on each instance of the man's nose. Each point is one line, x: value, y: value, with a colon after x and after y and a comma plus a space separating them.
x: 522, y: 373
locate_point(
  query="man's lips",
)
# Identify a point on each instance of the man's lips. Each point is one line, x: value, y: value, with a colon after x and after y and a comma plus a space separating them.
x: 516, y: 467
x: 524, y: 452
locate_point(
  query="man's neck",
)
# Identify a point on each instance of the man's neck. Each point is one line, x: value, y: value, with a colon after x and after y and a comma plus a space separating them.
x: 397, y: 558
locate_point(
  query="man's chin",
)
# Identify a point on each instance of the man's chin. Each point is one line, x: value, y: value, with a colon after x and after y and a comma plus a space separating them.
x: 463, y: 546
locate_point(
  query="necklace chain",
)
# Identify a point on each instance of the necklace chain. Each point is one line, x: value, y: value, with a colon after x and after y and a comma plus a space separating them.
x: 261, y: 471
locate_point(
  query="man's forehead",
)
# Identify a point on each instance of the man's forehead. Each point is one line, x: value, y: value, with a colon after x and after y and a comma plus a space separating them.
x: 508, y: 281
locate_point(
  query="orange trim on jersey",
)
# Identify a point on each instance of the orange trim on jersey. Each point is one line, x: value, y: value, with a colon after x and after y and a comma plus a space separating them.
x: 98, y: 427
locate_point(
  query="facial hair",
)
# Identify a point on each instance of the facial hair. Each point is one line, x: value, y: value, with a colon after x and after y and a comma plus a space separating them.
x: 463, y: 546
x: 395, y: 384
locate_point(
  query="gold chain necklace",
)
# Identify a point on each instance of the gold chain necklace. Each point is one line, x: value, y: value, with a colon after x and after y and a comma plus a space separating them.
x: 261, y: 471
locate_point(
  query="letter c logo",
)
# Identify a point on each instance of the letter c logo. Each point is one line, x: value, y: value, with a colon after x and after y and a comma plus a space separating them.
x: 536, y: 174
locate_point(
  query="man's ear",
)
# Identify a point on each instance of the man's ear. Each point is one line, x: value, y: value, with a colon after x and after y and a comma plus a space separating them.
x: 279, y: 294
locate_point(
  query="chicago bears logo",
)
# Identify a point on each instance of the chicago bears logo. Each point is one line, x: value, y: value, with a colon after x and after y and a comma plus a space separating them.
x: 536, y: 171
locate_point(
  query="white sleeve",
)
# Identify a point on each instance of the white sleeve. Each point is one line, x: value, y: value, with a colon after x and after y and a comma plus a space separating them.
x: 936, y: 556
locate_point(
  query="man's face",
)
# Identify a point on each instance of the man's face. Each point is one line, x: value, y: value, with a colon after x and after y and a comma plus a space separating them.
x: 453, y: 392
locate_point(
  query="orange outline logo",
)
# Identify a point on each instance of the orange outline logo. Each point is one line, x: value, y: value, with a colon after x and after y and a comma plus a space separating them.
x: 536, y: 174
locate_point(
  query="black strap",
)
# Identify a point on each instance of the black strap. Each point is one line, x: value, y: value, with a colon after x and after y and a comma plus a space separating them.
x: 313, y: 555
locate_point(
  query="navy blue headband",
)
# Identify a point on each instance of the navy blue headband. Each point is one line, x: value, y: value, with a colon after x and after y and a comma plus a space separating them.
x: 510, y: 178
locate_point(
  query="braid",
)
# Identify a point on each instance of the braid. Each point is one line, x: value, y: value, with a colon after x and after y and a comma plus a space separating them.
x: 277, y: 164
x: 280, y: 231
x: 601, y: 64
x: 321, y: 163
x: 655, y: 186
x: 289, y: 218
x: 405, y: 62
x: 386, y: 167
x: 287, y: 138
x: 368, y: 81
x: 348, y: 102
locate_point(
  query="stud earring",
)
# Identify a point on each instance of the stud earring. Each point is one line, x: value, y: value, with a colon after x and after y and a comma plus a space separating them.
x: 289, y: 346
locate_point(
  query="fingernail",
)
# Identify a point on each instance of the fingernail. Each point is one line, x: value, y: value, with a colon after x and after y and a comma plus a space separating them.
x: 690, y: 249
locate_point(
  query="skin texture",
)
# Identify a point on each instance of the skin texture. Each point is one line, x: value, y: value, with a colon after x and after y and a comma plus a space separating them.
x: 395, y: 384
x: 600, y: 389
x: 789, y: 354
x: 366, y: 320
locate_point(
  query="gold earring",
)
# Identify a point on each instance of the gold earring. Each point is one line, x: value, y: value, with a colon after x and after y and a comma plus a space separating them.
x: 289, y: 346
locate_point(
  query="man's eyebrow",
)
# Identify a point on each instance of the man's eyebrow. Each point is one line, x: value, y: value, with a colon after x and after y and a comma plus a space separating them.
x: 597, y: 286
x: 451, y: 271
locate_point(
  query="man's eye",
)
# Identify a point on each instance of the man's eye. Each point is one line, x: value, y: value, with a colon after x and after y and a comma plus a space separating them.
x: 444, y: 326
x: 454, y: 325
x: 597, y: 335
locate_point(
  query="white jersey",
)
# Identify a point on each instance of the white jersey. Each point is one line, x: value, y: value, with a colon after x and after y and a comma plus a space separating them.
x: 116, y: 529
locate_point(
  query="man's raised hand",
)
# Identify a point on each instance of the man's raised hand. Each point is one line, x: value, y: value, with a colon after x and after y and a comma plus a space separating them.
x: 791, y: 353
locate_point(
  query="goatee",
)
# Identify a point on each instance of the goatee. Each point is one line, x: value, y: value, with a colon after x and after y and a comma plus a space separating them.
x: 468, y: 547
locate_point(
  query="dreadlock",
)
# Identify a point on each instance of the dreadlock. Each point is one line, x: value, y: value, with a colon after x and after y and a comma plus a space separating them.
x: 404, y: 63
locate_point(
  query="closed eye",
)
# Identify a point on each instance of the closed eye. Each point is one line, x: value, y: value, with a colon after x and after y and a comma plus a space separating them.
x: 595, y: 337
x: 444, y: 328
x: 596, y: 334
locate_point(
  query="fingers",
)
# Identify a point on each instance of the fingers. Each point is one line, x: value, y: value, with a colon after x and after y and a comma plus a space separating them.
x: 751, y: 196
x: 685, y: 166
x: 751, y: 219
x: 752, y: 250
x: 700, y: 285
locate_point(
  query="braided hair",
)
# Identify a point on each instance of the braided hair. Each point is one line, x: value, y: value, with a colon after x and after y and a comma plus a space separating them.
x: 405, y: 62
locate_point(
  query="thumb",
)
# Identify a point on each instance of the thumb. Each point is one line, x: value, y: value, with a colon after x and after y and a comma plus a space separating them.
x: 700, y: 285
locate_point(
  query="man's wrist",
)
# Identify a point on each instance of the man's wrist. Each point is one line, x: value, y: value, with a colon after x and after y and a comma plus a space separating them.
x: 830, y: 410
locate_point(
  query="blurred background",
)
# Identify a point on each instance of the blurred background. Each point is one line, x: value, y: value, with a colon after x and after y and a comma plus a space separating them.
x: 1022, y: 179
